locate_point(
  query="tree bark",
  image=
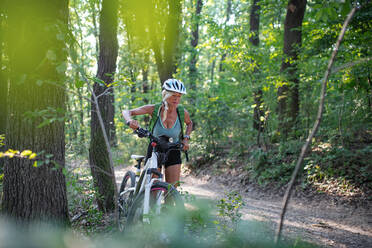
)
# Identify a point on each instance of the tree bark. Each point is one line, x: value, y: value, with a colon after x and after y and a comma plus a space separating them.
x: 98, y: 155
x: 288, y: 95
x: 3, y: 79
x: 165, y: 55
x: 194, y: 43
x: 254, y: 39
x: 3, y: 82
x: 36, y: 54
x: 228, y: 13
x: 145, y: 81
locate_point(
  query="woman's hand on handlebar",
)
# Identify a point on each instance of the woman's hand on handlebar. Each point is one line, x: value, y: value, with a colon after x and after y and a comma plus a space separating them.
x: 185, y: 143
x: 133, y: 124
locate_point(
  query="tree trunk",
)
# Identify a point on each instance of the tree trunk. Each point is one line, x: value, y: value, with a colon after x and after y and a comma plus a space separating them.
x: 36, y: 54
x: 94, y: 5
x: 3, y: 79
x: 145, y: 81
x: 254, y: 39
x: 288, y: 95
x: 194, y: 43
x: 81, y: 120
x: 166, y: 64
x: 3, y: 84
x: 98, y: 155
x: 228, y: 13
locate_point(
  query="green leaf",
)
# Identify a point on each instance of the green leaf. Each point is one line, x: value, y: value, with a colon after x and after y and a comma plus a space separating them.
x: 346, y: 7
x: 51, y: 55
x: 79, y: 84
x: 61, y: 68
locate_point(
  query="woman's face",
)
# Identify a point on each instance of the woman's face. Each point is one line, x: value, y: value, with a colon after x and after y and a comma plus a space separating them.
x: 174, y: 99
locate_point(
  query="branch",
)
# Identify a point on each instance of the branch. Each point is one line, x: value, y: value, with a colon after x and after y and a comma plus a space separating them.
x: 350, y: 64
x: 108, y: 147
x: 105, y: 92
x: 315, y: 127
x: 102, y: 171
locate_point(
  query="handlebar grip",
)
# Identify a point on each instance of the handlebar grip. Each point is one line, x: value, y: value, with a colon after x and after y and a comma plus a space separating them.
x: 141, y: 132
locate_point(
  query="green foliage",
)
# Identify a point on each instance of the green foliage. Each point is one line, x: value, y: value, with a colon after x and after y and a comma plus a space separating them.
x: 221, y: 103
x: 229, y: 212
x: 82, y: 201
x: 46, y: 116
x: 162, y: 233
x: 350, y: 168
x: 275, y: 165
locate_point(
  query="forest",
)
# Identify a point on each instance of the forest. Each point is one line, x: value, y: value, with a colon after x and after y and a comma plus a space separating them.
x: 279, y: 93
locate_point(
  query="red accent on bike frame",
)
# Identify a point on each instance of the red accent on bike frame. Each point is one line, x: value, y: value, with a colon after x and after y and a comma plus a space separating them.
x: 153, y: 144
x: 157, y: 189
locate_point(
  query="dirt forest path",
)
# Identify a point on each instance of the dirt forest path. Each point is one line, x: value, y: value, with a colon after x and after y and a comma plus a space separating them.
x: 324, y: 223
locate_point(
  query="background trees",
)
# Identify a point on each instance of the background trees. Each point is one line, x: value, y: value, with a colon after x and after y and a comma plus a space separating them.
x: 288, y: 93
x: 274, y: 53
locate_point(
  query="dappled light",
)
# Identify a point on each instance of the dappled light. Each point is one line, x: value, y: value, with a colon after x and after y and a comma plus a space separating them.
x: 250, y: 122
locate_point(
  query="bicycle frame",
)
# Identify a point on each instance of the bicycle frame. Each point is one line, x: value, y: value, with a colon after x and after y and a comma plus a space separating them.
x: 145, y: 183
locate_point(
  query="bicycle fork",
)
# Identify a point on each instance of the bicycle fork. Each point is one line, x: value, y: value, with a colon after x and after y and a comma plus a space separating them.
x: 146, y: 202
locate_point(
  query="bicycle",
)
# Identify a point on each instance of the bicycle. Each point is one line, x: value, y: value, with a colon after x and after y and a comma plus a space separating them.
x: 144, y: 193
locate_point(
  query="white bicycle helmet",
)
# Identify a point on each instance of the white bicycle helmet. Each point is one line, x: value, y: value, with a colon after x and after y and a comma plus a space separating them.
x: 174, y: 85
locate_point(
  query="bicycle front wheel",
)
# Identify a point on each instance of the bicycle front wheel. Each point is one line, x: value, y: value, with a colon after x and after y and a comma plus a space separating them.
x: 171, y: 200
x: 125, y: 199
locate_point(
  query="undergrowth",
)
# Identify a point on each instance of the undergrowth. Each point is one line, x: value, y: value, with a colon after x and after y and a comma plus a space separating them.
x: 332, y: 167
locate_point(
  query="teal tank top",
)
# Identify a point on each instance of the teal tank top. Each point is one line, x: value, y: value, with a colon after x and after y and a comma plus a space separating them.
x: 173, y: 132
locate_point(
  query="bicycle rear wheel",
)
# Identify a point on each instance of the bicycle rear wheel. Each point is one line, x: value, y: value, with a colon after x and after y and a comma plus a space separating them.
x: 171, y: 200
x: 125, y: 199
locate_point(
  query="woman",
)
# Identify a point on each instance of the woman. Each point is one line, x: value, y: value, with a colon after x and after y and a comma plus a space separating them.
x: 168, y: 123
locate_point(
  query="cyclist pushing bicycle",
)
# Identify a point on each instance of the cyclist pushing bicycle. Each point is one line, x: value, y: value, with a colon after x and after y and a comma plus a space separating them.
x: 167, y: 119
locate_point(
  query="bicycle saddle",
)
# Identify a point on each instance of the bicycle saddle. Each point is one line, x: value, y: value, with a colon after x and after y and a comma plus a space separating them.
x: 137, y: 157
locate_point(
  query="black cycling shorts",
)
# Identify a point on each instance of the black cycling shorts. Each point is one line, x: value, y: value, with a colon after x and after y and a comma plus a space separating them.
x: 174, y: 157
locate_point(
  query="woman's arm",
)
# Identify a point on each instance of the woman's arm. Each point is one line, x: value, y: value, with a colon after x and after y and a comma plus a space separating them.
x: 188, y: 130
x: 127, y: 114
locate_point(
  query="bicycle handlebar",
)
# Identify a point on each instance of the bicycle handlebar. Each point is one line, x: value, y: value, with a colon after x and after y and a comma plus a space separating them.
x: 142, y: 133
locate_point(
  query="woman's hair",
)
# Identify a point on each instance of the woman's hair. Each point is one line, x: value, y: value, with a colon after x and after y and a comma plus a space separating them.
x: 165, y: 94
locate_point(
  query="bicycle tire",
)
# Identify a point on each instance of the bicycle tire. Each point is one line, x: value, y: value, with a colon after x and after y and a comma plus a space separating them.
x: 125, y: 200
x: 172, y: 198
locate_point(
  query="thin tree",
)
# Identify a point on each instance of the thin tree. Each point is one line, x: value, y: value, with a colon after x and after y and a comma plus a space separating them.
x: 314, y: 130
x: 288, y: 94
x: 195, y: 22
x: 37, y: 56
x: 98, y: 154
x: 227, y: 19
x: 157, y: 25
x: 165, y: 52
x: 254, y: 39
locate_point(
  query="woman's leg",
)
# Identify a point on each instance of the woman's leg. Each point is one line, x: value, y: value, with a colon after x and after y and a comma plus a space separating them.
x: 172, y: 174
